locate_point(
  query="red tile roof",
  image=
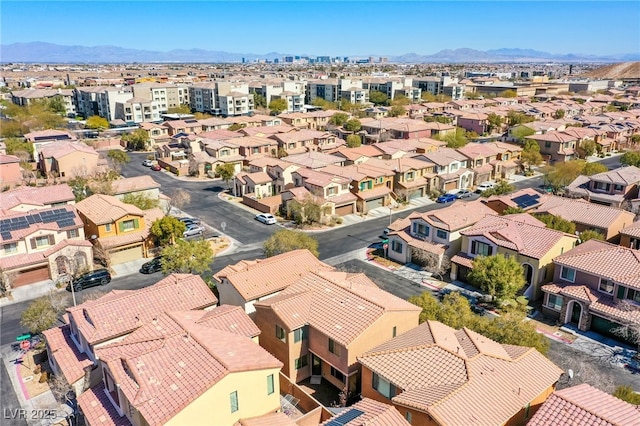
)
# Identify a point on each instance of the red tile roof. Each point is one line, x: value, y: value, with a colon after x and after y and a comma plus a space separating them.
x: 227, y: 318
x: 583, y: 212
x: 66, y: 354
x: 98, y: 409
x: 116, y: 314
x: 36, y: 196
x: 586, y: 406
x: 447, y: 374
x: 102, y: 209
x: 632, y: 230
x: 375, y: 414
x: 18, y: 260
x: 271, y: 419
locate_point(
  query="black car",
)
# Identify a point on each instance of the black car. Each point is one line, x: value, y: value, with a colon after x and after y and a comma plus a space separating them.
x: 90, y: 279
x: 154, y: 265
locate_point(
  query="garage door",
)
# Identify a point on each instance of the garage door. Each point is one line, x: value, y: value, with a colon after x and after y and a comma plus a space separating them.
x: 29, y: 276
x: 416, y: 193
x: 344, y: 210
x: 375, y: 203
x: 450, y: 185
x: 126, y: 255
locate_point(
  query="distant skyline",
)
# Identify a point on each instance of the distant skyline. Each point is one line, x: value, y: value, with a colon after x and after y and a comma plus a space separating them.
x: 383, y: 28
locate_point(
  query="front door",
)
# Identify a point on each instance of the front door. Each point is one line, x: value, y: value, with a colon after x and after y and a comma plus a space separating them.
x: 575, y: 313
x: 316, y: 366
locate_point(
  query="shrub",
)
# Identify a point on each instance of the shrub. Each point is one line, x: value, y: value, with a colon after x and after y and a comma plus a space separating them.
x: 44, y: 377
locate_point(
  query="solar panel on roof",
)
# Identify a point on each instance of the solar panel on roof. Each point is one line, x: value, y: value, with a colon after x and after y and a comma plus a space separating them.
x: 345, y: 418
x: 5, y: 235
x: 526, y: 200
x: 31, y: 220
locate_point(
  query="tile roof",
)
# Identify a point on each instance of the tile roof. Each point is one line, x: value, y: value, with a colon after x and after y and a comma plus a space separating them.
x: 319, y: 178
x: 133, y: 184
x: 168, y: 363
x: 459, y: 215
x: 271, y: 419
x: 35, y: 222
x: 36, y: 196
x: 425, y: 245
x: 444, y: 156
x: 370, y: 194
x: 375, y: 413
x: 446, y: 373
x: 586, y: 406
x: 256, y: 178
x: 595, y: 257
x: 102, y: 209
x: 509, y: 199
x: 227, y: 318
x: 8, y: 159
x: 623, y: 176
x: 98, y: 409
x: 632, y: 230
x: 583, y: 212
x: 61, y: 149
x: 116, y: 314
x: 313, y: 159
x: 254, y: 279
x: 527, y: 239
x: 22, y: 259
x: 150, y: 216
x: 66, y: 354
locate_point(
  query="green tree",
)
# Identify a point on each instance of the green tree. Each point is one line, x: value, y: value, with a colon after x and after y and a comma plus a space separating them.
x: 512, y: 210
x: 400, y: 100
x: 635, y: 139
x: 425, y: 96
x: 611, y: 108
x: 226, y: 172
x: 56, y: 105
x: 630, y: 158
x: 13, y: 129
x: 201, y: 115
x: 502, y: 187
x: 259, y: 101
x: 187, y: 257
x: 354, y: 141
x: 306, y: 212
x: 531, y: 154
x: 495, y: 122
x: 167, y: 229
x: 118, y: 156
x: 587, y: 148
x: 397, y: 111
x: 438, y: 119
x: 80, y: 187
x: 352, y: 125
x: 559, y: 114
x: 141, y: 201
x: 511, y: 328
x: 182, y: 109
x: 557, y: 223
x: 456, y: 139
x: 509, y: 94
x: 40, y: 315
x: 324, y: 104
x: 562, y: 174
x: 285, y: 240
x: 16, y: 145
x: 590, y: 234
x: 96, y: 122
x: 626, y: 393
x: 278, y: 105
x: 378, y: 98
x: 235, y: 127
x: 594, y: 168
x: 521, y: 132
x: 497, y: 275
x: 514, y: 118
x: 339, y: 118
x: 136, y: 140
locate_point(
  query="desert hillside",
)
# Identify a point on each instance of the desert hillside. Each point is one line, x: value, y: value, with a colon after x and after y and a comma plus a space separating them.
x: 616, y: 71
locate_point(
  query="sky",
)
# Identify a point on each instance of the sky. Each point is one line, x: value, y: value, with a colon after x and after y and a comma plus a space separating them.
x: 386, y: 28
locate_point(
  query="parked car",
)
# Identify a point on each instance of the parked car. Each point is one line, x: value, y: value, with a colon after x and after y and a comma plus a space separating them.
x: 156, y: 168
x: 446, y: 198
x: 484, y: 186
x: 463, y: 193
x: 147, y: 163
x: 90, y: 279
x: 154, y: 265
x: 189, y: 220
x: 266, y: 218
x: 193, y: 230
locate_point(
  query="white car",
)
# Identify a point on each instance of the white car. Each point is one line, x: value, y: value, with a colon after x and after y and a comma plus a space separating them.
x: 193, y: 230
x: 266, y: 218
x: 147, y: 163
x: 484, y: 186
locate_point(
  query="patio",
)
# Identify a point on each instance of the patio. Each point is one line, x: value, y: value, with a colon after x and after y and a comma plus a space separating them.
x: 325, y: 393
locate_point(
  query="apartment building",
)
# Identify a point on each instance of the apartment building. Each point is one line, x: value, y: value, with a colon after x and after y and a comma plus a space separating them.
x: 165, y: 95
x: 234, y: 99
x: 393, y: 87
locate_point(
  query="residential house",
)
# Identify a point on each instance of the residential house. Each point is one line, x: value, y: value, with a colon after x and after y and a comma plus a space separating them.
x: 521, y: 237
x: 556, y: 146
x: 436, y: 375
x: 121, y: 230
x: 358, y: 155
x: 254, y: 146
x: 279, y: 170
x: 367, y: 412
x: 508, y: 159
x: 250, y: 281
x: 314, y: 159
x: 220, y: 152
x: 333, y: 191
x: 614, y: 188
x: 40, y: 138
x: 482, y: 159
x: 155, y: 132
x: 299, y: 142
x: 67, y: 159
x: 214, y: 123
x: 474, y: 122
x: 413, y: 178
x: 630, y: 236
x: 324, y: 320
x: 406, y: 128
x: 372, y: 185
x: 439, y: 129
x: 42, y: 244
x: 525, y: 199
x: 10, y: 170
x: 188, y: 126
x: 258, y: 185
x: 424, y: 238
x: 607, y: 221
x: 451, y: 169
x: 107, y: 319
x: 266, y: 131
x: 595, y: 287
x: 28, y: 198
x: 140, y: 186
x: 586, y: 404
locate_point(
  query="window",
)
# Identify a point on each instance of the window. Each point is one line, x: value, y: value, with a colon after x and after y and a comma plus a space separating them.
x: 73, y: 233
x: 270, y: 385
x: 554, y: 302
x: 633, y: 295
x: 421, y: 229
x: 345, y: 186
x: 255, y: 150
x: 44, y: 241
x: 300, y: 334
x: 442, y: 234
x: 547, y: 144
x: 280, y: 333
x: 383, y: 386
x: 128, y: 225
x: 334, y: 348
x: 233, y: 399
x: 410, y: 176
x: 301, y: 362
x: 568, y: 274
x: 107, y: 227
x: 396, y: 246
x: 10, y: 248
x: 337, y: 374
x: 407, y: 416
x: 605, y: 286
x: 394, y: 331
x: 481, y: 249
x: 617, y: 187
x: 602, y: 186
x: 332, y: 190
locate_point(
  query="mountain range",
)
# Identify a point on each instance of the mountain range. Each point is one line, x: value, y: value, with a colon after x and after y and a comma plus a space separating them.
x: 40, y: 52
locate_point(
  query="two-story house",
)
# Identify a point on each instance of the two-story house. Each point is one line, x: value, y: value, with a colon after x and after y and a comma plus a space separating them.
x: 280, y: 171
x: 474, y: 122
x: 435, y: 233
x: 42, y: 244
x: 72, y: 347
x: 10, y: 170
x: 556, y: 146
x: 324, y: 320
x: 451, y: 169
x: 254, y: 146
x: 221, y: 151
x: 120, y: 229
x: 332, y: 190
x: 482, y: 160
x: 630, y: 236
x: 358, y: 155
x: 298, y: 142
x: 507, y: 160
x: 372, y: 185
x: 257, y: 184
x: 314, y: 159
x: 413, y: 178
x: 590, y: 284
x: 520, y: 236
x: 27, y: 198
x: 613, y: 188
x: 250, y: 281
x: 436, y: 375
x: 67, y: 159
